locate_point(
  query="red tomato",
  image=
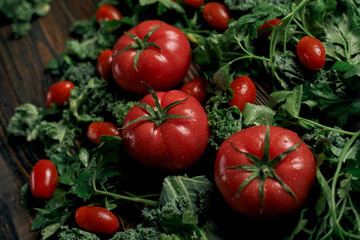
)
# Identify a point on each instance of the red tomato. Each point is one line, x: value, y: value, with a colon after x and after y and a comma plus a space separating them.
x: 244, y: 92
x: 311, y: 53
x: 107, y: 12
x: 162, y: 69
x: 297, y: 172
x: 97, y: 129
x: 173, y: 144
x: 266, y: 29
x: 43, y: 179
x: 104, y: 64
x: 59, y: 93
x: 194, y: 3
x: 96, y: 219
x: 216, y: 15
x: 197, y: 88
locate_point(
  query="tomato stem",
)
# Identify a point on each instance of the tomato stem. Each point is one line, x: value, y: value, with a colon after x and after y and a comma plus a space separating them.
x: 263, y: 168
x: 157, y: 114
x: 140, y: 45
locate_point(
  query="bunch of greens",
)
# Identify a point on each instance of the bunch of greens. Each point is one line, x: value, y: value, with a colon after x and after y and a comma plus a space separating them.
x: 322, y: 106
x: 21, y: 13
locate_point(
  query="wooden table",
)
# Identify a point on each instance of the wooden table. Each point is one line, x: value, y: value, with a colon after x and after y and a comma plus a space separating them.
x: 22, y: 80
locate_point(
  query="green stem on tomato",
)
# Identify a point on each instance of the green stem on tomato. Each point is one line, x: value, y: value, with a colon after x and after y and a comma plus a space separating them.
x: 133, y: 198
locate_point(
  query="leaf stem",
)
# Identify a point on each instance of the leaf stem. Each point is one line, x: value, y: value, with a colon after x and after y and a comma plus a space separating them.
x: 342, y: 157
x: 307, y: 121
x: 132, y: 198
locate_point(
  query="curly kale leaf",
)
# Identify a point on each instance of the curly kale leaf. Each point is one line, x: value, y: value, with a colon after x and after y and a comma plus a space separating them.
x: 223, y: 120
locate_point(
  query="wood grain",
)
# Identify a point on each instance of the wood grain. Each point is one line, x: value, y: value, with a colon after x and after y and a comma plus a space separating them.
x: 22, y: 80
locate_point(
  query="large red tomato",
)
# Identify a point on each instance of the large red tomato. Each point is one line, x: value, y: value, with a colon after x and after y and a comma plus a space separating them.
x: 153, y: 52
x: 272, y: 183
x: 169, y: 144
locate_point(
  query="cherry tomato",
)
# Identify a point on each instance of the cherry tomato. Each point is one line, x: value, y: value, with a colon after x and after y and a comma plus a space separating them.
x: 97, y: 129
x: 285, y: 183
x: 311, y: 53
x: 43, y: 179
x: 59, y: 93
x: 266, y: 29
x: 197, y: 88
x: 104, y: 64
x: 162, y: 69
x: 170, y: 144
x: 96, y: 219
x: 244, y: 92
x: 194, y: 3
x: 107, y: 12
x: 216, y: 15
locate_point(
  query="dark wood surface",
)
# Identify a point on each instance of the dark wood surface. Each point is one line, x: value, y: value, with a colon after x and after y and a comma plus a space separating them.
x: 22, y: 80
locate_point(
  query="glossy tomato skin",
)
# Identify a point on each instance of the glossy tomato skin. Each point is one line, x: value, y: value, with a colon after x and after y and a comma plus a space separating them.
x: 297, y: 170
x: 97, y: 129
x: 161, y: 69
x: 43, y: 179
x: 266, y: 29
x: 244, y: 92
x: 311, y: 53
x: 194, y: 3
x: 96, y: 219
x: 175, y: 144
x: 104, y: 64
x: 59, y: 93
x: 107, y: 12
x: 216, y: 15
x: 197, y: 88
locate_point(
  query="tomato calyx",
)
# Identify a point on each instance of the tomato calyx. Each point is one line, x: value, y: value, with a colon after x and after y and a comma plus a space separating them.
x: 157, y: 114
x: 263, y: 168
x: 140, y: 45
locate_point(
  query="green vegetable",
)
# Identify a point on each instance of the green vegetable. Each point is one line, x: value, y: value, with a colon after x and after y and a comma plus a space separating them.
x: 21, y: 13
x: 323, y: 107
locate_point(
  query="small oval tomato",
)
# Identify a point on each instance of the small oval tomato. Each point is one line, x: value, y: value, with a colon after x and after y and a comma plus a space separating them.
x: 266, y: 29
x: 311, y: 53
x: 264, y: 171
x: 97, y: 129
x: 107, y: 12
x: 216, y: 15
x: 104, y: 64
x: 194, y: 3
x: 197, y: 88
x: 244, y: 92
x: 96, y: 219
x: 59, y: 93
x: 162, y: 57
x: 43, y: 179
x: 167, y: 137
